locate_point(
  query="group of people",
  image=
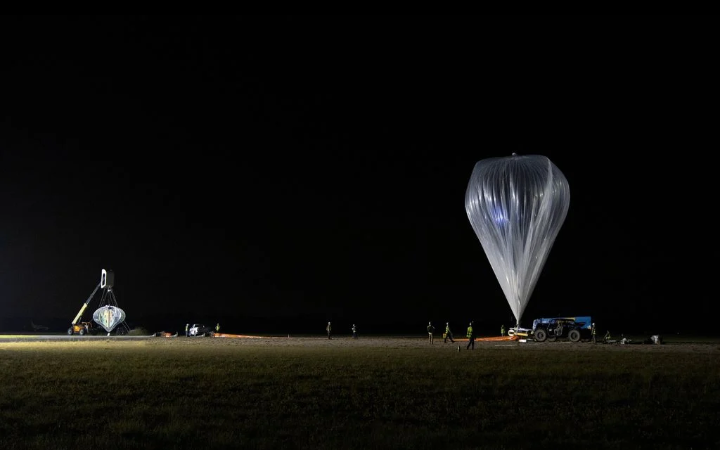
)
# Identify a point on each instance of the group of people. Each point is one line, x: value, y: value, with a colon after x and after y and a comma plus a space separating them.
x: 430, y: 329
x: 470, y: 334
x: 328, y: 328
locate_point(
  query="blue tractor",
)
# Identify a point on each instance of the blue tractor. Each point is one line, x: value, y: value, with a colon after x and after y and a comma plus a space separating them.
x: 572, y: 328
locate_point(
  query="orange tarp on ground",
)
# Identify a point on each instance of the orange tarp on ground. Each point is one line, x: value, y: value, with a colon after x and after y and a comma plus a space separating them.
x: 498, y: 338
x: 225, y: 335
x: 491, y: 338
x: 165, y: 334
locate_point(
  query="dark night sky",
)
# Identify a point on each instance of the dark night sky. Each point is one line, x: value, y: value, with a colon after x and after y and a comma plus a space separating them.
x: 273, y: 173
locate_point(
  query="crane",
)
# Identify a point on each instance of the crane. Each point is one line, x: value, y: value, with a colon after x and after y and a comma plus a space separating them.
x: 83, y: 327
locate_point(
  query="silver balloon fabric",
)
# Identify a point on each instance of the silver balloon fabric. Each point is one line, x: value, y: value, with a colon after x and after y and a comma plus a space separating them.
x: 517, y: 205
x: 109, y: 317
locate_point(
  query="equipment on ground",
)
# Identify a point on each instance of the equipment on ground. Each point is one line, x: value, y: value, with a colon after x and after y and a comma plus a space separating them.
x: 551, y: 329
x: 108, y: 316
x: 519, y: 331
x: 83, y: 328
x: 572, y: 328
x: 199, y: 329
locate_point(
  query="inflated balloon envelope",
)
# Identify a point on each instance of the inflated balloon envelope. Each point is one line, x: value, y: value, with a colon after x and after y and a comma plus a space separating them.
x: 109, y: 317
x: 516, y: 205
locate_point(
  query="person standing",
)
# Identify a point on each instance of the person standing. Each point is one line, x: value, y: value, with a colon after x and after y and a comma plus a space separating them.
x: 592, y: 329
x: 471, y: 337
x: 217, y: 328
x: 448, y: 333
x: 354, y: 330
x: 187, y: 328
x: 328, y: 328
x: 430, y: 329
x: 502, y: 330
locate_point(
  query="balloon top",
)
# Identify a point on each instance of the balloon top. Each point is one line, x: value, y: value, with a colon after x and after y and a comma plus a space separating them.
x: 514, y: 154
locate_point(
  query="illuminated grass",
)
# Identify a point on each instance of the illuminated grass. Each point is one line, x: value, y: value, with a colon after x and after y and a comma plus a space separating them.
x: 215, y: 393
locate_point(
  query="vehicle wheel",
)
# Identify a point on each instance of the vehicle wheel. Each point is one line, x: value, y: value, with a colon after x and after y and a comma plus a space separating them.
x: 70, y: 331
x: 540, y: 335
x: 552, y: 338
x: 82, y: 332
x: 574, y: 335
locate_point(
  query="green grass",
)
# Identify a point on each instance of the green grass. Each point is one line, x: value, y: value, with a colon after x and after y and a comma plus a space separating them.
x: 213, y: 393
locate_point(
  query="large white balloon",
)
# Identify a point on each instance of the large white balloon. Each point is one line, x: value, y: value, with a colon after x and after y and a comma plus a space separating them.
x: 516, y: 205
x: 109, y: 317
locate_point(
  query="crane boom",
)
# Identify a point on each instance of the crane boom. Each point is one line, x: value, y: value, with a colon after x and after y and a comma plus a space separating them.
x: 85, y: 305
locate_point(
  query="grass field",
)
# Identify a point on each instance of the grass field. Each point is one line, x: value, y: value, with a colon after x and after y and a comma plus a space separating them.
x: 280, y: 393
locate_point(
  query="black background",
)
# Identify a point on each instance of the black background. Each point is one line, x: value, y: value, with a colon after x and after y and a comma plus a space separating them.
x: 272, y: 173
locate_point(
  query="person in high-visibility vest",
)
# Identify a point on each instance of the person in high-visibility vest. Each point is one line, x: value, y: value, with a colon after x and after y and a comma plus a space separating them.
x: 354, y: 331
x: 471, y: 337
x: 217, y: 328
x: 502, y: 330
x: 593, y: 334
x: 448, y: 333
x: 187, y: 327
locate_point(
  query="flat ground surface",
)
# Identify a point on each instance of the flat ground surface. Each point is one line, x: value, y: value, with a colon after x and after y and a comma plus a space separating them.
x: 688, y: 344
x: 297, y: 392
x: 440, y: 346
